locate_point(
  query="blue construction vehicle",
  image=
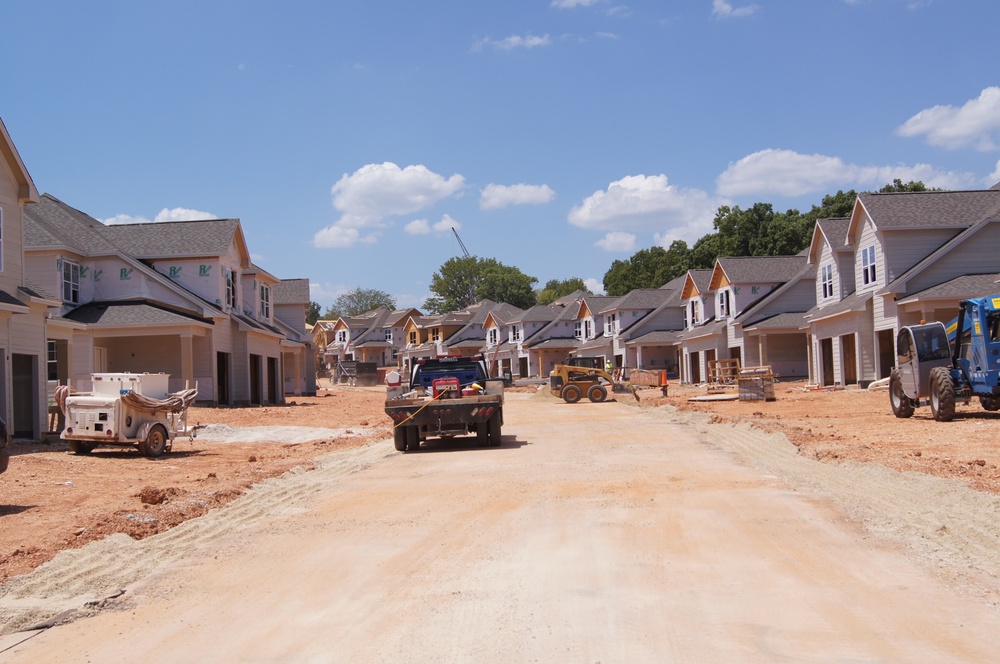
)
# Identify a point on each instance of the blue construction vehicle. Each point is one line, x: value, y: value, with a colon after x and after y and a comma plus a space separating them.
x: 943, y: 365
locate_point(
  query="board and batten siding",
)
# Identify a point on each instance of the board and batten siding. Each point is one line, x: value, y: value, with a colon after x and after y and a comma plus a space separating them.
x: 977, y: 255
x: 904, y: 249
x: 11, y: 276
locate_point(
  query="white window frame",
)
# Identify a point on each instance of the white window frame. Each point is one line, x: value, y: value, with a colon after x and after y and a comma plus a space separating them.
x: 693, y: 317
x: 518, y: 332
x: 724, y: 303
x: 578, y: 330
x: 388, y: 335
x: 230, y: 288
x: 826, y: 280
x: 71, y: 281
x: 342, y: 336
x: 265, y: 302
x: 869, y: 271
x: 492, y: 336
x: 51, y: 360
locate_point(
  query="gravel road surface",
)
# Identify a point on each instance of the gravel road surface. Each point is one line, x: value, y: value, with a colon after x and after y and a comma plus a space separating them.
x: 595, y: 533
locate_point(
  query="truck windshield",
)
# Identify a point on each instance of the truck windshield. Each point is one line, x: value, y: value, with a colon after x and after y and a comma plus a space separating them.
x: 931, y: 343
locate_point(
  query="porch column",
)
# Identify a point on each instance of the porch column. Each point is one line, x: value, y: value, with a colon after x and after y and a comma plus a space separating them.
x: 762, y: 349
x: 187, y: 361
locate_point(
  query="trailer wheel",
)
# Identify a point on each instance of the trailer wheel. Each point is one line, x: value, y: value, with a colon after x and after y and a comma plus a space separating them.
x: 942, y: 395
x: 494, y: 426
x: 901, y: 404
x: 80, y: 447
x: 597, y: 393
x: 412, y: 439
x: 990, y: 403
x: 571, y: 394
x: 399, y: 438
x: 155, y: 443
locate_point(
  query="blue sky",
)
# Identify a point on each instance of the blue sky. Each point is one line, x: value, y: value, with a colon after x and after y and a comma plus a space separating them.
x: 554, y: 135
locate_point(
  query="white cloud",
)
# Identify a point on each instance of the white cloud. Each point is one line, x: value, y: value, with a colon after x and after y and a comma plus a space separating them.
x: 418, y: 227
x: 976, y: 124
x: 424, y: 227
x: 512, y: 42
x: 446, y: 224
x: 994, y: 177
x: 340, y: 237
x: 376, y: 191
x: 723, y: 9
x: 595, y: 286
x: 496, y: 196
x: 788, y: 173
x: 648, y: 203
x: 570, y: 4
x: 617, y: 241
x: 166, y: 214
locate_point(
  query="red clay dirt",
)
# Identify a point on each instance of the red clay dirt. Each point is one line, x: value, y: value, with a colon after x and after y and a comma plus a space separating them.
x: 51, y: 499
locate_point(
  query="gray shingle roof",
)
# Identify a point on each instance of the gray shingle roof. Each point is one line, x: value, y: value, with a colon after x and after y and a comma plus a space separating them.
x: 174, y: 238
x: 50, y: 222
x: 931, y: 209
x: 130, y: 313
x: 291, y: 291
x: 640, y: 298
x: 7, y: 298
x: 969, y: 285
x: 657, y: 337
x: 793, y: 321
x: 761, y: 269
x: 835, y: 232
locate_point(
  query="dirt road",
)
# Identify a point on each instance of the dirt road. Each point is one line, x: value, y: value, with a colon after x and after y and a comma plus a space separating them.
x: 597, y: 532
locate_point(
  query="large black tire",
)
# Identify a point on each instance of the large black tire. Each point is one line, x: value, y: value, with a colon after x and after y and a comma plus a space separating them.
x: 942, y: 395
x: 990, y: 403
x: 412, y: 439
x: 597, y: 393
x: 399, y: 439
x: 494, y: 426
x: 483, y: 434
x: 156, y: 441
x: 80, y: 447
x: 571, y: 394
x: 901, y: 404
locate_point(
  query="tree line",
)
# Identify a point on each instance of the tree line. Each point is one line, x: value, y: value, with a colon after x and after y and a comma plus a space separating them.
x: 758, y: 230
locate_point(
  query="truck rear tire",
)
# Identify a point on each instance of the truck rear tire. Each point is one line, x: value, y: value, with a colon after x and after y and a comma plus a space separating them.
x: 901, y: 404
x: 156, y: 441
x: 412, y: 439
x: 483, y: 433
x: 399, y: 438
x: 942, y: 394
x: 494, y: 426
x: 80, y: 447
x: 571, y: 394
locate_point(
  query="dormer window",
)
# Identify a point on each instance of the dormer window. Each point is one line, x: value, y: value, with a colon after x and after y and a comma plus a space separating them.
x: 724, y: 303
x: 230, y: 288
x: 492, y: 336
x: 693, y: 312
x: 265, y: 302
x: 341, y: 336
x: 826, y: 280
x: 388, y: 335
x: 70, y: 282
x: 413, y: 338
x: 518, y: 333
x: 435, y: 334
x: 868, y: 272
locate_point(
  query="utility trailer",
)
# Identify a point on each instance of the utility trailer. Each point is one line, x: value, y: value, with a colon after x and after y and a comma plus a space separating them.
x: 125, y: 409
x: 446, y: 397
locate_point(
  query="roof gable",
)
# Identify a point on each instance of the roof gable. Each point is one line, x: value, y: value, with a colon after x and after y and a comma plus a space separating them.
x: 924, y: 209
x: 26, y: 192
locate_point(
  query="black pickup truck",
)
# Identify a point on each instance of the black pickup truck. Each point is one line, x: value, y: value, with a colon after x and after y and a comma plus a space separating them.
x: 445, y: 397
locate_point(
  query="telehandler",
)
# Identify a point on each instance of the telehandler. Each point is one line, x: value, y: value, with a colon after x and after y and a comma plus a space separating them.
x: 941, y: 365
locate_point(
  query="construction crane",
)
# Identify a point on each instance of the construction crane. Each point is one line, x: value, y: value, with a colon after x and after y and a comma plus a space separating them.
x: 460, y: 243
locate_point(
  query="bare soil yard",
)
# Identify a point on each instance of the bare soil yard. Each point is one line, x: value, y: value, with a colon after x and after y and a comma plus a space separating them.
x: 51, y: 499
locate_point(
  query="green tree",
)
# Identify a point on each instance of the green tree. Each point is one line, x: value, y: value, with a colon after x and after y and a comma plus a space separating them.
x: 898, y: 186
x: 557, y: 288
x: 312, y: 314
x: 460, y: 282
x: 358, y: 301
x: 647, y: 268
